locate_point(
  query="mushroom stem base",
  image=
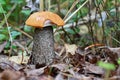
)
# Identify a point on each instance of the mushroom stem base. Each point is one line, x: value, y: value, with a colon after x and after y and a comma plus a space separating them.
x: 43, y: 46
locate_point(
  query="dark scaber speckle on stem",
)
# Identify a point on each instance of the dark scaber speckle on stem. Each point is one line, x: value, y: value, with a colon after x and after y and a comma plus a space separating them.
x: 43, y: 46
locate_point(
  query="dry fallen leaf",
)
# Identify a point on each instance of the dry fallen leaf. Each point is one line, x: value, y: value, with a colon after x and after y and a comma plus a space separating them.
x: 70, y: 48
x: 95, y: 69
x: 10, y: 65
x: 35, y: 72
x: 19, y: 59
x: 61, y: 67
x: 10, y: 75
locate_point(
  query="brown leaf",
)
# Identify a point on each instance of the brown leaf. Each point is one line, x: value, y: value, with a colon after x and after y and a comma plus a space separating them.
x: 10, y: 75
x: 10, y: 65
x: 61, y: 67
x: 95, y: 69
x: 45, y: 78
x: 19, y: 59
x: 35, y: 72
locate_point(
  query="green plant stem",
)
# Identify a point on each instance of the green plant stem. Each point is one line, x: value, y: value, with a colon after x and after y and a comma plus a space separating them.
x: 107, y: 75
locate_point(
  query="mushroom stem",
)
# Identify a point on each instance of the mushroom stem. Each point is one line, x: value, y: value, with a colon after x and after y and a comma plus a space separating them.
x: 43, y: 46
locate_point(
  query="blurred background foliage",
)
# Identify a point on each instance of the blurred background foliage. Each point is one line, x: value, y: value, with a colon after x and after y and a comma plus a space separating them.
x: 96, y: 22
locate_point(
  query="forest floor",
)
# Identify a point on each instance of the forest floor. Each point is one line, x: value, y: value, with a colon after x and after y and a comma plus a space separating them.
x: 72, y: 63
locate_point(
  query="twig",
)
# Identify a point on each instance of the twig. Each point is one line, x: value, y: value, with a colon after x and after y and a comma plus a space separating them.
x: 8, y: 30
x: 22, y: 47
x: 58, y: 6
x: 76, y: 11
x: 41, y: 5
x: 113, y: 38
x: 63, y: 5
x: 49, y: 5
x: 8, y: 65
x: 86, y: 20
x: 8, y: 15
x: 73, y: 5
x: 23, y: 32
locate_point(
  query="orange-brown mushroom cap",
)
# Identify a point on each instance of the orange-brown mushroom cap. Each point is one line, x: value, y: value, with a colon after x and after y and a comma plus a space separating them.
x: 38, y: 19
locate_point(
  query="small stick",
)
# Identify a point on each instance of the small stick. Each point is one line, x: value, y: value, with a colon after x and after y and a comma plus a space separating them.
x: 76, y: 11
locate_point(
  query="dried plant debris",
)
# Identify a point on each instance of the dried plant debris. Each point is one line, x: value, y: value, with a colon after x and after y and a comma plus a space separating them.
x: 82, y: 65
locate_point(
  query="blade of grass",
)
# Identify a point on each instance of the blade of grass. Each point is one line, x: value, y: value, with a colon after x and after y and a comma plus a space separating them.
x: 73, y: 5
x: 75, y: 11
x: 49, y: 5
x: 11, y: 40
x: 41, y: 5
x: 8, y: 15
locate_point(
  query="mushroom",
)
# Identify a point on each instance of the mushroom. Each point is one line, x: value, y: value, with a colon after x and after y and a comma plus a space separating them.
x: 43, y: 40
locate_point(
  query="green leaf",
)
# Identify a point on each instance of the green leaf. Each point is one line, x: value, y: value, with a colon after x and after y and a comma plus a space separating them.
x: 118, y: 61
x: 82, y: 1
x: 57, y: 37
x: 15, y: 34
x: 106, y: 65
x: 2, y: 10
x: 7, y: 45
x: 17, y: 1
x: 84, y: 11
x: 26, y: 12
x: 2, y: 2
x: 77, y: 29
x: 2, y: 37
x: 98, y: 2
x: 4, y: 31
x: 14, y: 47
x: 70, y: 31
x: 27, y: 28
x: 113, y: 14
